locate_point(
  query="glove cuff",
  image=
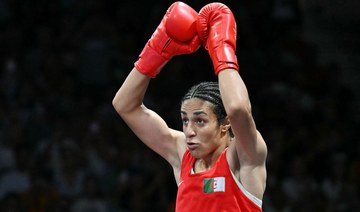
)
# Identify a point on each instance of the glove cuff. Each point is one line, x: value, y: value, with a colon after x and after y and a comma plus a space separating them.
x: 223, y: 58
x: 150, y: 62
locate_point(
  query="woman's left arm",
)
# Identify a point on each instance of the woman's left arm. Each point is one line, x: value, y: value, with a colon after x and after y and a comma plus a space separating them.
x: 250, y: 146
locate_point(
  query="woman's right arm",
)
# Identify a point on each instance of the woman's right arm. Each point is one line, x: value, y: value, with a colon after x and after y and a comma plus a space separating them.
x: 175, y: 35
x: 148, y: 126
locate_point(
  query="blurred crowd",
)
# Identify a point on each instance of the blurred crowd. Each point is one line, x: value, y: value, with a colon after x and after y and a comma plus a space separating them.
x: 63, y: 147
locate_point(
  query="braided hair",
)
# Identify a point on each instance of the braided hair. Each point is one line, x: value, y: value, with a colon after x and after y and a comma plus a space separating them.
x: 208, y: 91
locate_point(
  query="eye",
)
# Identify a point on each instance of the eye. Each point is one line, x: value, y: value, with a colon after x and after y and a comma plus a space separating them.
x: 200, y: 121
x: 185, y: 121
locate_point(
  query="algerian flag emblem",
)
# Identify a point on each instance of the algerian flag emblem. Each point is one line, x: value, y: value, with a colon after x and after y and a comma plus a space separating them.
x: 216, y: 184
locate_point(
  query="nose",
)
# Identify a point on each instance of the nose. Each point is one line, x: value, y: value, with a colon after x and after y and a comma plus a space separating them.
x: 189, y: 131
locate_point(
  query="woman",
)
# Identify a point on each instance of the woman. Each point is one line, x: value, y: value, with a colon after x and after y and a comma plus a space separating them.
x: 219, y: 159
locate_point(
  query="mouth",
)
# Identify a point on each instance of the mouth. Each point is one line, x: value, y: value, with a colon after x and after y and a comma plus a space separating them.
x: 192, y: 146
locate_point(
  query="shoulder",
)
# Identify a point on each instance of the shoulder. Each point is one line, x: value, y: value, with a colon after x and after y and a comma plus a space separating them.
x: 177, y: 155
x: 251, y: 172
x: 179, y: 148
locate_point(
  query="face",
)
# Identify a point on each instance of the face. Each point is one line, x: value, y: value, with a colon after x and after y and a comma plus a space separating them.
x: 202, y: 131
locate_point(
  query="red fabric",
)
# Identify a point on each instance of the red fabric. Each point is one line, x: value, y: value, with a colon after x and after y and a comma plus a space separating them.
x: 192, y: 197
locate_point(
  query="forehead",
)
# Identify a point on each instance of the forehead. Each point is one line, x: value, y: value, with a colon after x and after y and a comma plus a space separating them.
x: 195, y: 104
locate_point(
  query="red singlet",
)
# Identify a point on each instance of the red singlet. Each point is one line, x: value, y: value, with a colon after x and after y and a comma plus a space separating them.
x: 214, y: 190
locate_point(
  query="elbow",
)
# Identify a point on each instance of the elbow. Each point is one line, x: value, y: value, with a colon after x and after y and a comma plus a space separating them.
x: 124, y: 108
x: 117, y: 105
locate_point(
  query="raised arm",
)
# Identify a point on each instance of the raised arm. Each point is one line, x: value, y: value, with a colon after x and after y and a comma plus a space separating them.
x: 217, y: 30
x: 175, y: 35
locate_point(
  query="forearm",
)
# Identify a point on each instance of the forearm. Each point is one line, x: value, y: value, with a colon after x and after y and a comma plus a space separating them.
x: 238, y: 108
x: 234, y: 93
x: 131, y: 94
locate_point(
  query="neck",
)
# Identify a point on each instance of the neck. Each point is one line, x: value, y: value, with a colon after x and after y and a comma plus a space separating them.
x: 206, y: 163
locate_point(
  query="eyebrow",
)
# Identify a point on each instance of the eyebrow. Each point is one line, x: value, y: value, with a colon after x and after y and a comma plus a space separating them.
x: 195, y: 113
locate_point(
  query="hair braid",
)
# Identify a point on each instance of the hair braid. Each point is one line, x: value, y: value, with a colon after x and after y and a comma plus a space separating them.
x: 208, y: 91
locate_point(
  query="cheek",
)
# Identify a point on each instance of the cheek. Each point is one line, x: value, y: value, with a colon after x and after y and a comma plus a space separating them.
x: 210, y: 133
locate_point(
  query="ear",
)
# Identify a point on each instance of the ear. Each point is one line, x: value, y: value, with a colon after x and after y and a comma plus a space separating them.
x: 225, y: 126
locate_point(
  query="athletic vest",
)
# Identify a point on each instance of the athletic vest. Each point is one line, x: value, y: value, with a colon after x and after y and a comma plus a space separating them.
x: 214, y: 190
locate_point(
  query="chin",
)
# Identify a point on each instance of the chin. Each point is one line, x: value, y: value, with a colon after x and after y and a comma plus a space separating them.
x: 195, y: 153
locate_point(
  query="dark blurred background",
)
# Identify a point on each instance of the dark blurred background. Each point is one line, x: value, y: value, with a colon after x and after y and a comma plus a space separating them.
x: 63, y: 147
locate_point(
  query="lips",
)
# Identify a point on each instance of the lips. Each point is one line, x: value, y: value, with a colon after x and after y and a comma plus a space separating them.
x: 192, y: 146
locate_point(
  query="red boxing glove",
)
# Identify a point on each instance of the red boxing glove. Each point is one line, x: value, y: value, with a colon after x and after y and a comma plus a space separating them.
x: 175, y: 35
x: 216, y: 27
